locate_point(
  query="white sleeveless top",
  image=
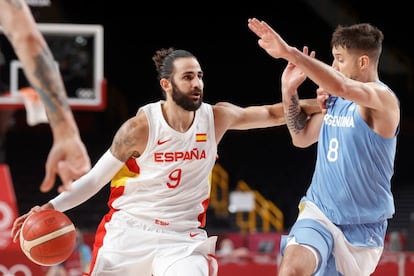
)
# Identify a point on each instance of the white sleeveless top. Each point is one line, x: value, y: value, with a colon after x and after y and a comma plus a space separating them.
x: 169, y: 184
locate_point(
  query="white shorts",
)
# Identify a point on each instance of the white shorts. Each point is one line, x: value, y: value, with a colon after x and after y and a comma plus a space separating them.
x: 131, y: 247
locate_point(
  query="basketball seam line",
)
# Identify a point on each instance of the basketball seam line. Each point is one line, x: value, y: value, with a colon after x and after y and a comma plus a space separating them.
x: 54, y: 234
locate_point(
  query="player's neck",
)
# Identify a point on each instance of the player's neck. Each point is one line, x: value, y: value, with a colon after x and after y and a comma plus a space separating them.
x: 177, y: 118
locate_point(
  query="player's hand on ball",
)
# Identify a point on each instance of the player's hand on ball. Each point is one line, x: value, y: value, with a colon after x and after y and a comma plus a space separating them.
x: 47, y: 237
x: 18, y: 223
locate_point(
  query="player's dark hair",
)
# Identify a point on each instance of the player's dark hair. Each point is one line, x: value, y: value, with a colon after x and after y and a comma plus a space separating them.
x: 164, y: 59
x: 362, y: 37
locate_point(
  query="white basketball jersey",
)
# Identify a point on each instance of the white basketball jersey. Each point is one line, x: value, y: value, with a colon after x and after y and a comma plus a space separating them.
x: 169, y: 184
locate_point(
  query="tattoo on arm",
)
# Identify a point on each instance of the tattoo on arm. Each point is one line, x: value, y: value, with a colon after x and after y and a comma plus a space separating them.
x: 122, y: 145
x: 295, y: 117
x: 52, y: 90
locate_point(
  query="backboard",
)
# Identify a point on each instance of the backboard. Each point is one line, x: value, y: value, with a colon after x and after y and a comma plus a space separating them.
x: 78, y: 52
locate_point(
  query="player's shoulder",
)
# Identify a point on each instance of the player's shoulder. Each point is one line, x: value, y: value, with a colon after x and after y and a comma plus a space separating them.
x: 223, y: 106
x: 380, y: 87
x: 149, y: 106
x: 135, y: 125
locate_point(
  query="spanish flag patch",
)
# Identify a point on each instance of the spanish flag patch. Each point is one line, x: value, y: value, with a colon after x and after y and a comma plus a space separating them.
x: 201, y: 137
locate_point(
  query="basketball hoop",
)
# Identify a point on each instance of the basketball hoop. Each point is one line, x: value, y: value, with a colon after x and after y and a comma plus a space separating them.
x: 78, y: 52
x: 35, y: 110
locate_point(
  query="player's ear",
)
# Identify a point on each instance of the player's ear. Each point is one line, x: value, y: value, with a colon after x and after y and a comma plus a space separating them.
x: 165, y: 83
x: 363, y: 62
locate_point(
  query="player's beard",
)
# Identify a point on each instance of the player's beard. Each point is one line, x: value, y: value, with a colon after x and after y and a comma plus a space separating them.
x: 185, y: 102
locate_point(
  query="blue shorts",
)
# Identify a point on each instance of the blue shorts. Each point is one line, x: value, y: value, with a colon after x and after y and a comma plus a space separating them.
x: 340, y: 249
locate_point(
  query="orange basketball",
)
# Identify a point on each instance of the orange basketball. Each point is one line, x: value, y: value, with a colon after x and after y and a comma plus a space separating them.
x: 48, y: 237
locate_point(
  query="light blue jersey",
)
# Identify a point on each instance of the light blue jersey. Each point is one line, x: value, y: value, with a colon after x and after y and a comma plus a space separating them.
x: 344, y: 215
x: 351, y: 183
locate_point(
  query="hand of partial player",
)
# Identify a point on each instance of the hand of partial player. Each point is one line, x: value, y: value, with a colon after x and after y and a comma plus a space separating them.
x: 67, y: 158
x: 269, y: 40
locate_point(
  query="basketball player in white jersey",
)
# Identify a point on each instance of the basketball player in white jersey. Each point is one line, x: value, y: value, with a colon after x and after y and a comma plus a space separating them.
x: 68, y: 157
x: 158, y: 167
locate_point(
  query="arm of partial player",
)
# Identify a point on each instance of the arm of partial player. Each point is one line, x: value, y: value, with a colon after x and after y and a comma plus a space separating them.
x: 82, y: 189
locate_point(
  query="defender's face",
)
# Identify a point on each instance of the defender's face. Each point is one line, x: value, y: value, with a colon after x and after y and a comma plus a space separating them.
x: 346, y: 62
